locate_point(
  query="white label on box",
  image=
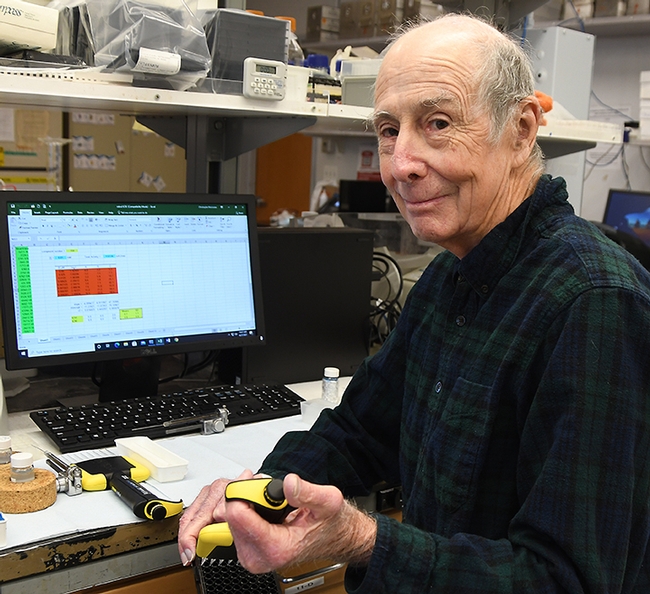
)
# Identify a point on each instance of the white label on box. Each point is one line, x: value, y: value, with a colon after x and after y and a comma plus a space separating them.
x: 23, y: 24
x: 158, y: 62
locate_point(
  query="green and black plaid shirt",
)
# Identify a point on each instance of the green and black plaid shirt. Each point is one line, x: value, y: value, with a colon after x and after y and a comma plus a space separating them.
x: 512, y: 403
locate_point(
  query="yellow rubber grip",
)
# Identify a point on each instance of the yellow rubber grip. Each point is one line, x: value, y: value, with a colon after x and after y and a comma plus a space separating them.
x: 212, y: 536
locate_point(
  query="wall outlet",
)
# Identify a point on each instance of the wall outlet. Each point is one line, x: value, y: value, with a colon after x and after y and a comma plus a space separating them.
x: 331, y: 172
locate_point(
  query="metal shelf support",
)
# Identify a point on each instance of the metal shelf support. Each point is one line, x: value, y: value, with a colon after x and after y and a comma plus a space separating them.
x: 209, y: 141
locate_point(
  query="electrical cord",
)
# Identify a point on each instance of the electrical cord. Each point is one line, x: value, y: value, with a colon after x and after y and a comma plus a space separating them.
x: 647, y: 165
x: 209, y: 359
x: 621, y: 151
x: 385, y: 311
x: 578, y: 18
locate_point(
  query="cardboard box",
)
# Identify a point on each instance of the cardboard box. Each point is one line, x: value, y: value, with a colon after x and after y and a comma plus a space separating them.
x: 584, y: 10
x: 323, y: 18
x: 415, y: 10
x: 367, y: 18
x: 390, y: 14
x: 638, y: 7
x: 27, y: 26
x: 609, y: 8
x: 349, y: 20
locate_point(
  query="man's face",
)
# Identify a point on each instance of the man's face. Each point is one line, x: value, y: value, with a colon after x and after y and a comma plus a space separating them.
x: 449, y: 182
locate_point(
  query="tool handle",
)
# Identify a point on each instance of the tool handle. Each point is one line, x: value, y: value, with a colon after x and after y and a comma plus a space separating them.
x: 143, y: 503
x: 267, y: 497
x: 265, y: 494
x: 216, y: 538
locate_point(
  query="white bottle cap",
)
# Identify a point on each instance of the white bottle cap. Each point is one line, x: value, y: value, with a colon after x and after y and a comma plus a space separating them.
x: 22, y: 460
x: 5, y: 442
x: 331, y: 372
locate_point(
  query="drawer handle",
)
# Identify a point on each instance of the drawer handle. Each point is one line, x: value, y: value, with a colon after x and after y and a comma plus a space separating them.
x: 311, y: 574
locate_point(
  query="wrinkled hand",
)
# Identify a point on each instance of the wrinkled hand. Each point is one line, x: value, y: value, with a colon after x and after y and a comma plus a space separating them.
x: 208, y: 508
x: 324, y: 526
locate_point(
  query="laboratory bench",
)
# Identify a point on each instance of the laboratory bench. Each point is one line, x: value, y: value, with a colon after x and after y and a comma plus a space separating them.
x: 92, y: 542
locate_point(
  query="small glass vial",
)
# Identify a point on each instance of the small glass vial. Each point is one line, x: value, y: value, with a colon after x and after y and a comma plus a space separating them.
x: 22, y: 467
x: 5, y: 449
x: 330, y: 391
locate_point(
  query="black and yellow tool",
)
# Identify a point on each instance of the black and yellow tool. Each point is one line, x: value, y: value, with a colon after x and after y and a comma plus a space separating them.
x: 96, y: 473
x: 143, y: 503
x: 267, y: 497
x: 120, y: 474
x: 123, y: 476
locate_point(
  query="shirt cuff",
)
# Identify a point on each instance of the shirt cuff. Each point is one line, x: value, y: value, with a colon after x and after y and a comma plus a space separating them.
x: 367, y: 579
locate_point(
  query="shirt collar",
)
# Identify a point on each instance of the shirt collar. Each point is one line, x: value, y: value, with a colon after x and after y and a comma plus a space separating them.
x: 484, y: 266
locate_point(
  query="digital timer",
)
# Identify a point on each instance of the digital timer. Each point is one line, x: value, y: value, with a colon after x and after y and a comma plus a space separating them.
x: 264, y: 79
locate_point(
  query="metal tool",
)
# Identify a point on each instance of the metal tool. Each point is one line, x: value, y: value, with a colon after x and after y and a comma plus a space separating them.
x: 68, y: 476
x: 208, y: 424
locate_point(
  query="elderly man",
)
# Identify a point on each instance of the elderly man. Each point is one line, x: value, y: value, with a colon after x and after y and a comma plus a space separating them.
x: 512, y: 400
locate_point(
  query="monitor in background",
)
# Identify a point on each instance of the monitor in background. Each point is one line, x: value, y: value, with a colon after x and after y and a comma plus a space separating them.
x: 316, y: 285
x: 629, y: 212
x: 357, y: 195
x: 123, y: 279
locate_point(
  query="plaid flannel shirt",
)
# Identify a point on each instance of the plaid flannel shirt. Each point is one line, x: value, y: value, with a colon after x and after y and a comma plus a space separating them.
x: 512, y: 403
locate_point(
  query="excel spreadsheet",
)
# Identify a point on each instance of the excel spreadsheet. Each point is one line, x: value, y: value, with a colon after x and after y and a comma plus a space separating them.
x: 108, y: 276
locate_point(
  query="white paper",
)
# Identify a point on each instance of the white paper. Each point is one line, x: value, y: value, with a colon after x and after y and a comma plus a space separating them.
x: 7, y: 128
x: 157, y: 62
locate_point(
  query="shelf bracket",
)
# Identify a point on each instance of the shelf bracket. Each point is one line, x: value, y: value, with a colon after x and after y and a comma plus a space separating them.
x: 209, y: 140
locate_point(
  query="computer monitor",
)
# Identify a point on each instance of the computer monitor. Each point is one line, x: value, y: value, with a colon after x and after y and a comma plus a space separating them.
x: 629, y: 212
x: 117, y: 277
x: 317, y: 300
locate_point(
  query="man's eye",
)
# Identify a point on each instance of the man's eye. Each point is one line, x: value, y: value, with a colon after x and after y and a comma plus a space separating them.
x: 388, y: 131
x: 439, y: 124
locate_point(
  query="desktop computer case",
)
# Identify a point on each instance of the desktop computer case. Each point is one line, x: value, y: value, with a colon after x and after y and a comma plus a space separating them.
x: 316, y: 285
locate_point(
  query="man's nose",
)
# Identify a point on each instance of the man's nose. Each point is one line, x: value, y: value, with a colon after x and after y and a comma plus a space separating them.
x: 408, y: 161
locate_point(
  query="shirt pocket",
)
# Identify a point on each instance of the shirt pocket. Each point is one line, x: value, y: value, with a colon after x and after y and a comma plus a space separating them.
x: 459, y: 442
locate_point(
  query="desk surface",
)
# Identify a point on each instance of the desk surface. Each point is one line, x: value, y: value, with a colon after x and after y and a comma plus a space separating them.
x: 92, y: 526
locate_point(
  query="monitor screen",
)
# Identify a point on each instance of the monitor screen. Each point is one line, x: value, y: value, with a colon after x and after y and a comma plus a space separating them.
x: 629, y: 212
x: 101, y: 276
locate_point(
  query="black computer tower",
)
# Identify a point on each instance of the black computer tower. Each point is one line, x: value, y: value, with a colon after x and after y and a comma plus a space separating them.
x: 316, y: 285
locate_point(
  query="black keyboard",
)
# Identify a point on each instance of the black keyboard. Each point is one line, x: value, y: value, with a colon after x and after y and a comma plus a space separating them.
x: 90, y: 426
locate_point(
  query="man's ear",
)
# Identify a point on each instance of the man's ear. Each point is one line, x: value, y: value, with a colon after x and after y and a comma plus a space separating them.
x: 527, y: 124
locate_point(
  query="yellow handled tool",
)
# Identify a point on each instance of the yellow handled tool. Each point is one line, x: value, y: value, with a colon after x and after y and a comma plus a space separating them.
x: 267, y: 497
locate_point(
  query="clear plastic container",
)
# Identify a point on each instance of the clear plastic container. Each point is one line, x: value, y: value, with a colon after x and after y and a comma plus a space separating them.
x: 5, y: 449
x: 296, y: 56
x: 22, y: 467
x: 330, y: 391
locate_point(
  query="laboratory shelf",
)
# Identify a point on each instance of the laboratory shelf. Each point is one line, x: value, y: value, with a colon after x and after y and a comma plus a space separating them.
x: 563, y: 137
x: 90, y: 89
x: 612, y: 26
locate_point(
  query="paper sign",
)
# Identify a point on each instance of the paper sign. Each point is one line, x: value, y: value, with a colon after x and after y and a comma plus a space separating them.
x: 7, y: 132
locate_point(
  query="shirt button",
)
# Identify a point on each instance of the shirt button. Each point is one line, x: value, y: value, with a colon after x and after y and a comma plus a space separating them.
x: 438, y: 387
x: 484, y: 289
x: 460, y: 321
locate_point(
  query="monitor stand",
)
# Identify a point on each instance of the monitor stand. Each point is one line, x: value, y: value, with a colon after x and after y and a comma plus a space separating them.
x: 122, y: 379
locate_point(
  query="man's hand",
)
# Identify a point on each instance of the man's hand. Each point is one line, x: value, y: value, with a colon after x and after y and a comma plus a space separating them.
x: 324, y: 526
x: 207, y: 508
